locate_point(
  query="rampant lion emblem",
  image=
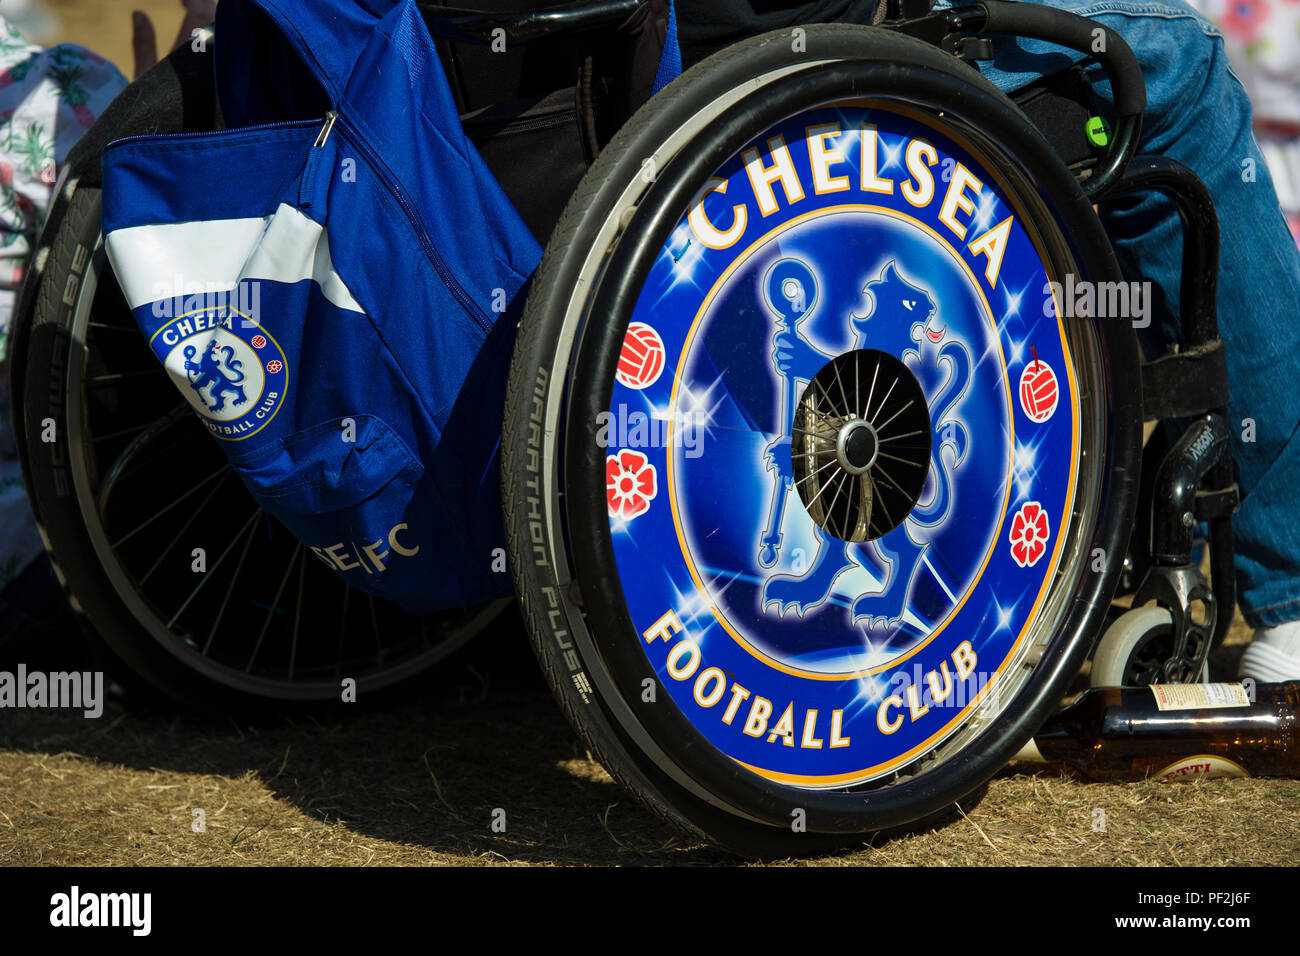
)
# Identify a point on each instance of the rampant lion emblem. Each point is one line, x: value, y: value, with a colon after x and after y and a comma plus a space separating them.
x: 208, y: 373
x: 904, y: 320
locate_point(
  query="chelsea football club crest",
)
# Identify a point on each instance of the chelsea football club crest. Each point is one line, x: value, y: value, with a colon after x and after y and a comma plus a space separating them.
x: 230, y: 369
x: 856, y: 318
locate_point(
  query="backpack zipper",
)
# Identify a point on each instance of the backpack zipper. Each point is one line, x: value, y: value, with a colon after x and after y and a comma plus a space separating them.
x: 395, y: 190
x: 200, y: 134
x: 332, y: 118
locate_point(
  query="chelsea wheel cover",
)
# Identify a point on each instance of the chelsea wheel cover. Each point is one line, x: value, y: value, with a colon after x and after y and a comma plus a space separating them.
x: 842, y: 442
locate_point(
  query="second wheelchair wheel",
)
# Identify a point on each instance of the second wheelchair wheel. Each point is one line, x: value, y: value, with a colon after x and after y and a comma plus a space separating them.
x: 194, y: 592
x: 806, y: 458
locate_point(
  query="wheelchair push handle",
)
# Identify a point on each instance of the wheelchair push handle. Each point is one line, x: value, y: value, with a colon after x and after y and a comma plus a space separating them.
x: 1075, y: 33
x: 1065, y: 29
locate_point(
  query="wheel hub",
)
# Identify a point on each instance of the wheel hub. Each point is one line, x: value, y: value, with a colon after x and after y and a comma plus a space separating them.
x: 857, y: 447
x: 861, y: 445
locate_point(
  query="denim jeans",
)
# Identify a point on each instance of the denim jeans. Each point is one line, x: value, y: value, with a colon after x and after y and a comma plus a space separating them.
x: 1198, y: 113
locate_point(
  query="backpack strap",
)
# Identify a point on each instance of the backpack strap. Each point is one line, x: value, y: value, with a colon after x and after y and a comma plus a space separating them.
x: 281, y: 60
x: 670, y: 60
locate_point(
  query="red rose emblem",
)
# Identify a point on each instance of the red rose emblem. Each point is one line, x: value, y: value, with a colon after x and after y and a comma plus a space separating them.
x: 1029, y: 534
x: 630, y: 484
x: 273, y: 367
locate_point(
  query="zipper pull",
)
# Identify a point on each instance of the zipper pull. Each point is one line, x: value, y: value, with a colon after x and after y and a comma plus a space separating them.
x: 308, y: 181
x: 330, y: 117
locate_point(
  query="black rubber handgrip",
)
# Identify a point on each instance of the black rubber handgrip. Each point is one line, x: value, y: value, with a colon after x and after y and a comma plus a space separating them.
x: 1076, y: 33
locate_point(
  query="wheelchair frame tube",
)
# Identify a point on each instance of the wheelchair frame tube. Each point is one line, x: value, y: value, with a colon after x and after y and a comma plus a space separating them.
x: 1198, y: 304
x: 1199, y: 288
x: 526, y: 26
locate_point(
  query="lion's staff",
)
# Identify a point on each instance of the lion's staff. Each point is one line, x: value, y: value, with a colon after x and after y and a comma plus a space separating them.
x: 791, y: 291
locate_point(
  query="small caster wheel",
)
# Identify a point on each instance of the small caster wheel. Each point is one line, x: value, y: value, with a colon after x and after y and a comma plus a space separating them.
x: 1134, y: 648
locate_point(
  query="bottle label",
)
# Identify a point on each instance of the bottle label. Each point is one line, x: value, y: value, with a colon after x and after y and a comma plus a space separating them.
x: 1203, y: 765
x: 1199, y: 696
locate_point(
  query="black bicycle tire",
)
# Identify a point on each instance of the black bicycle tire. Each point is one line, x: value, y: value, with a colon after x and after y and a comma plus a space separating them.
x: 594, y: 723
x: 156, y: 676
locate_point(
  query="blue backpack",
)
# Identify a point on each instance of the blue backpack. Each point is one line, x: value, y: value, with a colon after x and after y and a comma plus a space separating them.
x: 336, y: 294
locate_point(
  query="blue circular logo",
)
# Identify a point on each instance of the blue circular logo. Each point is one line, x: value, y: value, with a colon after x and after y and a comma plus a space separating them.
x: 231, y: 370
x: 835, y: 513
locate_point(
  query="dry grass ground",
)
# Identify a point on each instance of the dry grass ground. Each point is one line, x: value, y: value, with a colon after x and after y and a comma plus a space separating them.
x: 418, y: 784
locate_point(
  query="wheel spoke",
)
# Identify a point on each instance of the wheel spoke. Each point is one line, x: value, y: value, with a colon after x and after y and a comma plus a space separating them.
x: 872, y: 390
x: 343, y: 630
x: 862, y: 526
x: 882, y: 403
x: 884, y: 474
x: 823, y: 489
x: 297, y: 620
x: 857, y: 380
x: 808, y: 477
x: 118, y: 470
x: 272, y: 609
x: 896, y: 414
x: 185, y: 527
x: 230, y: 589
x: 158, y: 514
x: 840, y: 383
x: 208, y: 575
x: 120, y: 432
x: 919, y: 431
x: 830, y: 512
x: 914, y: 464
x: 879, y: 498
x: 818, y: 435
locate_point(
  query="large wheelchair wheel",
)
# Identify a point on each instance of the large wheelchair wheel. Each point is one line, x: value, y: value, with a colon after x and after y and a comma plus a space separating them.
x: 188, y: 586
x: 806, y: 466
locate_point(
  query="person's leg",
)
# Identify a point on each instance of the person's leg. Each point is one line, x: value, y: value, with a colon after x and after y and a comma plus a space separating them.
x: 1198, y: 113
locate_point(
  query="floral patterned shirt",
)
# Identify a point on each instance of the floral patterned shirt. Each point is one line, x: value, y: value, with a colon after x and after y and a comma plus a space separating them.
x: 48, y: 99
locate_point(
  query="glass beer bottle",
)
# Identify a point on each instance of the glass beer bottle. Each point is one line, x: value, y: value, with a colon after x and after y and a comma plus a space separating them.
x: 1175, y: 731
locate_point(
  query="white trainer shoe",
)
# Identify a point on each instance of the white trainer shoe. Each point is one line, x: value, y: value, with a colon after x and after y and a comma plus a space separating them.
x: 1273, y: 655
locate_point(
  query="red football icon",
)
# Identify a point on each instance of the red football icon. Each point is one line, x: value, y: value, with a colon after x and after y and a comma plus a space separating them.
x: 642, y: 359
x: 259, y: 341
x: 1038, y: 391
x: 273, y: 367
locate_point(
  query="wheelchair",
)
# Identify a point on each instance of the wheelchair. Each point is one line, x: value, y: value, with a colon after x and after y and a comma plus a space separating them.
x: 821, y: 482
